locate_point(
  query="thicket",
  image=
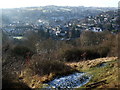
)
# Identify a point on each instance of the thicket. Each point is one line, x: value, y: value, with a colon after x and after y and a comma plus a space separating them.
x: 91, y: 45
x: 21, y: 51
x: 42, y: 65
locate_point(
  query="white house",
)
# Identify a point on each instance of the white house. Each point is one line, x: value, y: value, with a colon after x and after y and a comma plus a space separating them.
x: 96, y: 29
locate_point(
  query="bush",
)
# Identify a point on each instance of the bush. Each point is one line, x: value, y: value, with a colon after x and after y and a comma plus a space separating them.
x: 43, y: 66
x: 91, y: 53
x: 10, y: 80
x: 103, y: 51
x: 21, y: 50
x: 72, y: 55
x: 85, y: 53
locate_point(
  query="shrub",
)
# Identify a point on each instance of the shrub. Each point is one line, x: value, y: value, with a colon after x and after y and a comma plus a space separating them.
x: 72, y: 55
x: 103, y: 51
x: 85, y: 53
x: 21, y: 50
x: 42, y: 66
x: 10, y: 80
x: 91, y: 53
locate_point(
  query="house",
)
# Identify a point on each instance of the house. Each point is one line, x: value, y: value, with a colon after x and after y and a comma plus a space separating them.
x: 61, y: 33
x: 96, y: 29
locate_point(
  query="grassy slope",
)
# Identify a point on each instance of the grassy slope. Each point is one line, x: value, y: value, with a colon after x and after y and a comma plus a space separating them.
x: 109, y: 72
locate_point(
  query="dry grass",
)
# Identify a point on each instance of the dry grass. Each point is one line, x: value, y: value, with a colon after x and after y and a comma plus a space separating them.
x: 40, y: 70
x: 109, y: 72
x: 90, y: 63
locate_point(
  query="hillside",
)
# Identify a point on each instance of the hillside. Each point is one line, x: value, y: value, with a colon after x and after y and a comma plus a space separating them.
x: 104, y: 73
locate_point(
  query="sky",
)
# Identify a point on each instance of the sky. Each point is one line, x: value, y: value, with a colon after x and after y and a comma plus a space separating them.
x: 32, y: 3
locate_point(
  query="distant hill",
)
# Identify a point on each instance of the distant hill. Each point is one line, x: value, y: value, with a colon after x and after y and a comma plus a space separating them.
x: 49, y: 14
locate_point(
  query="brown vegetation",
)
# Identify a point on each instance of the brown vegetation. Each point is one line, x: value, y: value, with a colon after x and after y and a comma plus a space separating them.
x: 43, y: 65
x: 48, y: 56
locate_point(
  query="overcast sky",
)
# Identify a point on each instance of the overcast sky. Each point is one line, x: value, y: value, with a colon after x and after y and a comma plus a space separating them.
x: 30, y: 3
